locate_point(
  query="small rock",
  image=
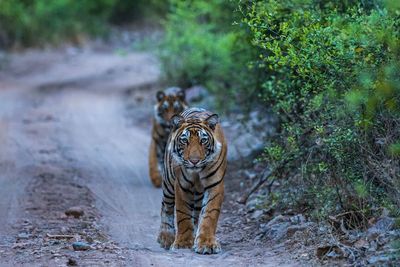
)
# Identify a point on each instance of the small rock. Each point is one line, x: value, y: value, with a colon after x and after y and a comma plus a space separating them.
x: 278, y: 231
x: 298, y: 219
x: 80, y: 246
x: 276, y: 220
x: 257, y: 214
x: 333, y: 255
x: 76, y: 212
x: 361, y: 243
x: 305, y: 256
x: 250, y: 174
x: 372, y: 234
x: 295, y: 228
x: 89, y: 239
x: 19, y: 245
x: 24, y: 236
x: 72, y: 262
x: 329, y: 251
x: 373, y: 246
x: 383, y: 224
x: 259, y: 236
x: 378, y: 259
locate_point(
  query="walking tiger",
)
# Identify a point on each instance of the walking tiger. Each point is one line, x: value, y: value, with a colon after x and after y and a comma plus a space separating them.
x: 171, y: 101
x: 193, y: 185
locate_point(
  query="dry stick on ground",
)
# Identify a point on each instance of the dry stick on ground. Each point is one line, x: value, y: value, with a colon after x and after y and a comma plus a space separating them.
x: 60, y: 236
x: 266, y: 174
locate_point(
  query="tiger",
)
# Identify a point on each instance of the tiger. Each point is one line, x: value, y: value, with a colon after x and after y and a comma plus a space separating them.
x: 171, y: 101
x: 193, y: 182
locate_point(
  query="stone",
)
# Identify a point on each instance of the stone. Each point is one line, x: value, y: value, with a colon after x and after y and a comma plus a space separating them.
x: 331, y: 251
x: 277, y: 231
x: 298, y: 219
x: 276, y: 220
x: 361, y: 243
x: 384, y: 224
x: 379, y: 259
x: 24, y: 236
x: 72, y: 262
x: 75, y: 212
x: 250, y: 174
x: 257, y: 214
x: 291, y: 230
x: 80, y: 246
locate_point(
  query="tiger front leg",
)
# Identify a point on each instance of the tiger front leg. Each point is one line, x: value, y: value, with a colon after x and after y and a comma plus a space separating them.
x: 206, y: 242
x: 166, y: 235
x: 184, y: 217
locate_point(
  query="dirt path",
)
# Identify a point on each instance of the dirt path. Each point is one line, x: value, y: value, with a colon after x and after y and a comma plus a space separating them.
x: 74, y: 131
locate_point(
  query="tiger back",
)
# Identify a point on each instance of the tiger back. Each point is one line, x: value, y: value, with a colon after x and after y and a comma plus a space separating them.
x: 171, y: 101
x: 193, y: 185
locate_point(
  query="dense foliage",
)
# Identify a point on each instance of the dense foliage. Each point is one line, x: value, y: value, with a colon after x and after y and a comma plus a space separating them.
x: 32, y: 22
x: 329, y: 71
x: 202, y: 46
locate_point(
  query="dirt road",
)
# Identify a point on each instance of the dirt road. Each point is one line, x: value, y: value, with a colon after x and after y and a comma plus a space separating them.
x: 74, y: 131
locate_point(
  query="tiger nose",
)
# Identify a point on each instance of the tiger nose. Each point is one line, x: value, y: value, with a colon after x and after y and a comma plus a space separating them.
x: 194, y: 160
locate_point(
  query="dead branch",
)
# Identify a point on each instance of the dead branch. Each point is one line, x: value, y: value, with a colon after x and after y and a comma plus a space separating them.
x: 59, y: 236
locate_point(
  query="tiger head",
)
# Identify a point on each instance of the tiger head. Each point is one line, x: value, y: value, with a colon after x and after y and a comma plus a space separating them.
x: 195, y: 143
x: 169, y: 102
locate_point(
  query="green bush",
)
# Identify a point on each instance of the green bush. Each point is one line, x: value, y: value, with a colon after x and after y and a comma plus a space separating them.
x: 27, y: 23
x: 202, y: 46
x: 331, y: 76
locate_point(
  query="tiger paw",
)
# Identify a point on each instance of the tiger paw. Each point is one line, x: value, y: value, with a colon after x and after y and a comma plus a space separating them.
x: 206, y: 245
x: 188, y: 243
x: 165, y: 239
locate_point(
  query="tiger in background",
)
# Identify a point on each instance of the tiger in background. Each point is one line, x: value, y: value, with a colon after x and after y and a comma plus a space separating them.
x: 171, y: 101
x: 193, y: 185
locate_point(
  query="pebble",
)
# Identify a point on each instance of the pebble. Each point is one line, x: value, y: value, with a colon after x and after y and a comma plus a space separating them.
x: 257, y: 214
x: 76, y: 212
x: 24, y: 236
x: 72, y: 262
x: 79, y: 246
x: 291, y: 230
x: 250, y: 174
x: 380, y: 259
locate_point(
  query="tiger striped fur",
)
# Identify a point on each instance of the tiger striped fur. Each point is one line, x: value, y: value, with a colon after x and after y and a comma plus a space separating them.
x: 193, y: 185
x: 169, y: 102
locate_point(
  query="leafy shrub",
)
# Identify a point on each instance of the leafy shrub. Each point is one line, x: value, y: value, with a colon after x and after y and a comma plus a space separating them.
x: 47, y: 21
x: 331, y: 75
x: 329, y: 71
x: 202, y: 46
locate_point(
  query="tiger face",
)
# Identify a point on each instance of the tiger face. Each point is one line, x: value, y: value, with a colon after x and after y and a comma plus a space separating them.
x: 169, y: 103
x: 195, y: 145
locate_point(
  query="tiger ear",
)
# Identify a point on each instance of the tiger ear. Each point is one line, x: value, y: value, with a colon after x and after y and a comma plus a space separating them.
x: 176, y: 121
x: 181, y: 95
x: 160, y: 96
x: 212, y: 121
